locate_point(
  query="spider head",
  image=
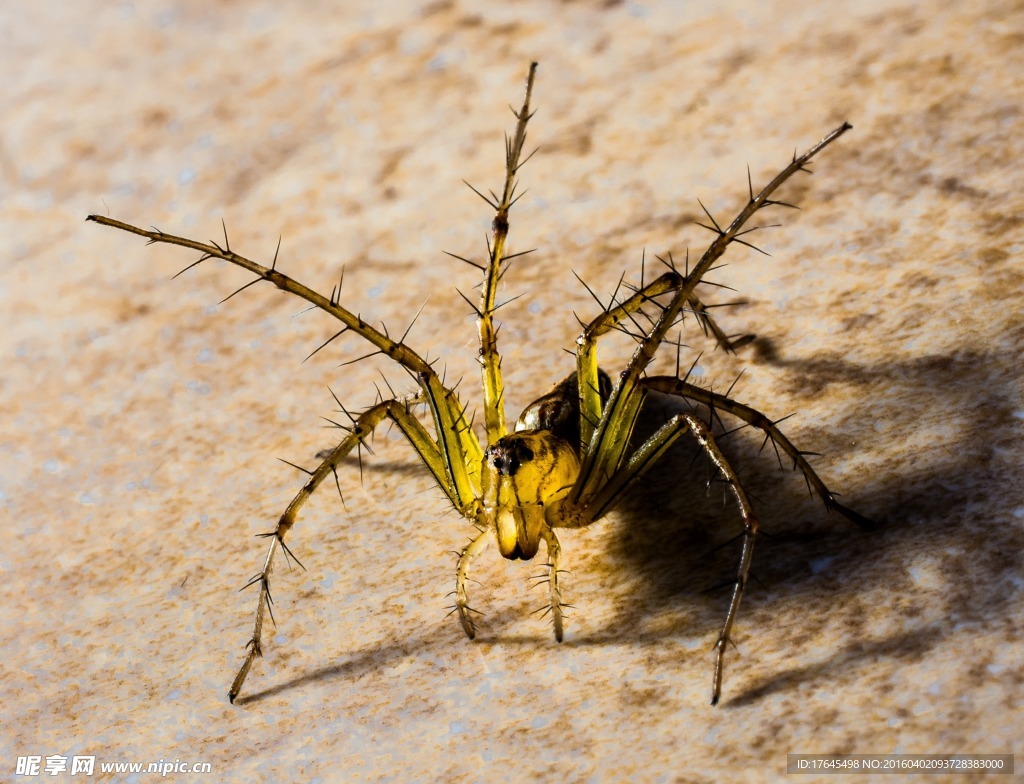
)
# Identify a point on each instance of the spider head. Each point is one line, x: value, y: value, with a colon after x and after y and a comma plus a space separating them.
x: 531, y: 470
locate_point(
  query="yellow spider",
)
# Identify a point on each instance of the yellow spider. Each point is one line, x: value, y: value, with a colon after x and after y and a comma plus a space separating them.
x: 571, y: 454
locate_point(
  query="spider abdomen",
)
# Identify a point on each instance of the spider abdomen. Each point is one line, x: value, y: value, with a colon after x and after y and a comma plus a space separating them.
x: 559, y: 410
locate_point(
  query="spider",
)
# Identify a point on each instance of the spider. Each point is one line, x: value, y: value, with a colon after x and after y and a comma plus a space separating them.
x: 570, y: 457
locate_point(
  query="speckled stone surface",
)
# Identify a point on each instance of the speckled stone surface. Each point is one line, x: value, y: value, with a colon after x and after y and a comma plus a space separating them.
x: 141, y: 420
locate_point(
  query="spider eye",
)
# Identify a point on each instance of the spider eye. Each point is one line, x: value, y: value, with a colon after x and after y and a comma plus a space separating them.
x: 508, y: 455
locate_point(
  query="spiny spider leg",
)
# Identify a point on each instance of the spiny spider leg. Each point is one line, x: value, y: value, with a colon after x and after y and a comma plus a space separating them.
x: 604, y: 453
x: 554, y: 594
x: 490, y: 359
x: 670, y: 385
x: 701, y: 311
x: 645, y: 456
x: 750, y: 528
x: 474, y: 548
x: 611, y: 435
x: 709, y: 325
x: 427, y: 450
x: 586, y: 350
x: 459, y: 445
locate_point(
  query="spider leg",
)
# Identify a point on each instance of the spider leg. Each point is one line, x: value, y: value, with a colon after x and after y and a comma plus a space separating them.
x: 457, y: 442
x: 709, y: 325
x: 586, y: 349
x: 750, y: 527
x: 490, y: 359
x: 714, y: 401
x: 610, y: 319
x: 399, y: 352
x: 652, y: 450
x: 474, y: 548
x: 605, y: 432
x: 606, y: 454
x: 426, y: 448
x: 554, y: 594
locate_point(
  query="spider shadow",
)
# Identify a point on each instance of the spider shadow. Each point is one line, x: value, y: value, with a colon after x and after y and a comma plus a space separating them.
x: 950, y: 505
x: 672, y: 540
x: 355, y: 665
x: 672, y: 545
x: 676, y: 543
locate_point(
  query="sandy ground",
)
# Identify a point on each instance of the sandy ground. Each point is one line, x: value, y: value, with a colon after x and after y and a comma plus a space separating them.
x: 141, y: 420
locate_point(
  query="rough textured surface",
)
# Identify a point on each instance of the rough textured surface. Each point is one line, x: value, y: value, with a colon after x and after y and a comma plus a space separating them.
x: 141, y: 420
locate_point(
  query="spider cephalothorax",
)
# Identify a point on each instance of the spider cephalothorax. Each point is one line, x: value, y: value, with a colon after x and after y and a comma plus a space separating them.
x: 572, y: 455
